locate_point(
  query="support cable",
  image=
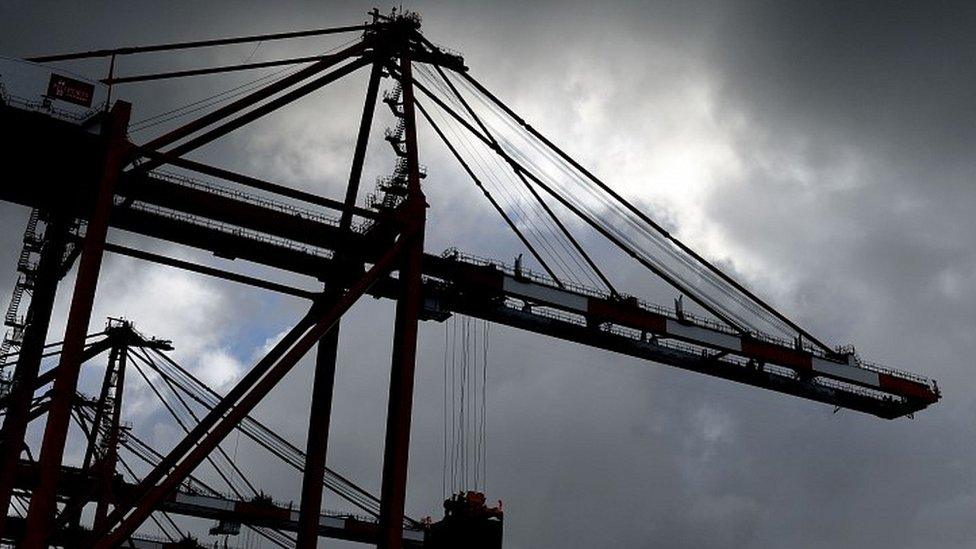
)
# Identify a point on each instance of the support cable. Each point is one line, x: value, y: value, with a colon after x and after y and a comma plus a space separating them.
x: 212, y: 70
x: 516, y: 202
x: 90, y: 433
x: 525, y: 195
x: 490, y: 198
x: 267, y: 438
x: 535, y: 194
x: 196, y: 44
x: 687, y: 262
x: 579, y: 213
x: 49, y: 345
x: 147, y: 450
x: 261, y: 94
x: 185, y: 429
x: 702, y: 274
x: 263, y: 109
x: 667, y: 235
x: 222, y: 96
x: 140, y: 355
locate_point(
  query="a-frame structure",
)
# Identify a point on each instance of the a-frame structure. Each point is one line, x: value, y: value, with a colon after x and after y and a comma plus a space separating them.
x: 115, y: 183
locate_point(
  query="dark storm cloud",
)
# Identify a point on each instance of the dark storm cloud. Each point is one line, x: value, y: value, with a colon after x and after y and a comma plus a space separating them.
x: 848, y: 132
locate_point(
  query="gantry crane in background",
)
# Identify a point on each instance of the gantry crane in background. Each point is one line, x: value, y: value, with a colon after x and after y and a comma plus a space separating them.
x: 103, y: 179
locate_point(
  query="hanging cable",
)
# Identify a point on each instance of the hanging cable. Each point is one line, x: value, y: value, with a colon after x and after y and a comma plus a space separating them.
x: 484, y: 406
x: 444, y: 432
x: 225, y: 95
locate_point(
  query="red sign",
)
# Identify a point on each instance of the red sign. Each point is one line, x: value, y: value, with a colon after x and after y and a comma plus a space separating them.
x: 70, y: 90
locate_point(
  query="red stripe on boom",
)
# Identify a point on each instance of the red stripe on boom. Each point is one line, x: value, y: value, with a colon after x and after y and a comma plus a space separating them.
x: 625, y: 315
x: 907, y: 388
x: 767, y: 352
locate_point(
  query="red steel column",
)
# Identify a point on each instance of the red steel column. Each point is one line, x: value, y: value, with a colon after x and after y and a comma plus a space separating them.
x: 394, y: 489
x: 320, y: 416
x: 181, y: 461
x: 29, y: 360
x: 317, y: 440
x: 43, y: 501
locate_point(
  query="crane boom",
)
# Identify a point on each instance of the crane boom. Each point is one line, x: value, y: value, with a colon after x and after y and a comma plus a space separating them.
x: 235, y: 224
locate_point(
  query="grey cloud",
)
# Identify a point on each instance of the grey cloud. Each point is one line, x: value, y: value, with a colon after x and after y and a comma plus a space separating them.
x: 853, y: 129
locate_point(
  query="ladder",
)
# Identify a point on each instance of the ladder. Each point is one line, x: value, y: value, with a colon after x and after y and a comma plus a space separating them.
x: 14, y: 320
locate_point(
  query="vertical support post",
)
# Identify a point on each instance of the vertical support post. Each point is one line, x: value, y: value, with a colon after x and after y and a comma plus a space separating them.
x: 317, y: 441
x: 43, y: 502
x: 74, y: 520
x: 409, y: 301
x: 212, y: 428
x: 320, y: 416
x: 110, y: 457
x: 113, y: 357
x: 29, y: 360
x: 362, y: 140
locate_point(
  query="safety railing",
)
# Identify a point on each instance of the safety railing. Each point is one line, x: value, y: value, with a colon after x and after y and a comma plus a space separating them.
x: 46, y: 107
x: 190, y: 182
x: 455, y: 254
x: 232, y: 229
x: 701, y: 352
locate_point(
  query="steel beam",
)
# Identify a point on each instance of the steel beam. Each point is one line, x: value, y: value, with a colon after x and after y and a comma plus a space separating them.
x: 252, y: 98
x: 106, y: 469
x: 317, y: 440
x: 90, y: 449
x: 519, y: 168
x: 263, y: 109
x: 29, y: 360
x: 196, y: 44
x: 210, y: 70
x: 409, y: 302
x: 71, y: 514
x: 43, y: 502
x: 362, y: 140
x: 209, y: 271
x: 260, y: 184
x: 212, y: 429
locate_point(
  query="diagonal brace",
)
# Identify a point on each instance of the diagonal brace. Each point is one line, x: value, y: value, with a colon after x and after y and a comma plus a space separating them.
x: 194, y: 448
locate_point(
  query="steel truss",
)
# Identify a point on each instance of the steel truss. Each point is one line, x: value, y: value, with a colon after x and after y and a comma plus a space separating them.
x: 354, y: 253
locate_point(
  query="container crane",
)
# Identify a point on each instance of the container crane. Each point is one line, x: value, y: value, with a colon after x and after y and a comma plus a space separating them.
x: 104, y: 179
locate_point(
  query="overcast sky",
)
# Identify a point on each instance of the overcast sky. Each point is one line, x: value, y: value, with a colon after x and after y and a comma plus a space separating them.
x: 821, y: 151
